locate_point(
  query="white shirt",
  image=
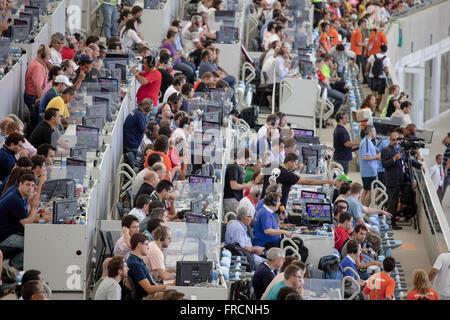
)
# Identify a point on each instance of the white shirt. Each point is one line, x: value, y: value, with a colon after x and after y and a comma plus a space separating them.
x: 266, y: 67
x: 442, y: 280
x: 138, y: 213
x: 129, y: 38
x: 138, y: 181
x: 109, y: 289
x: 371, y: 59
x: 189, y: 38
x: 280, y: 69
x: 437, y: 175
x: 169, y: 91
x: 179, y: 133
x: 270, y: 39
x: 202, y: 8
x: 246, y: 203
x: 262, y: 132
x: 55, y: 57
x: 406, y: 119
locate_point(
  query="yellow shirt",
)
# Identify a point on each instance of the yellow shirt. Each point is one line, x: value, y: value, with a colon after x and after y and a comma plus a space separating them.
x: 58, y: 103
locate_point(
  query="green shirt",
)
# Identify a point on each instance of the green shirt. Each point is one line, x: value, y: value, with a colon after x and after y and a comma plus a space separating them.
x: 325, y: 71
x: 110, y: 2
x: 273, y: 292
x: 383, y: 114
x: 248, y: 174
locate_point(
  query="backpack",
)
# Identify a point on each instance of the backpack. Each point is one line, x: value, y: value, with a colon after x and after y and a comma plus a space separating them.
x: 331, y: 267
x: 377, y: 68
x: 242, y: 290
x: 302, y: 250
x: 236, y: 250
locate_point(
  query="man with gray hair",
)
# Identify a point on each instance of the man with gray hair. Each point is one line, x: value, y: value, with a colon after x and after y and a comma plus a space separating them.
x: 237, y: 232
x: 267, y: 270
x: 251, y: 200
x: 56, y: 43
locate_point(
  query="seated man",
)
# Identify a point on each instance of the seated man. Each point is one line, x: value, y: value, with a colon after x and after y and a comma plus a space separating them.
x: 14, y: 215
x: 293, y: 277
x: 48, y: 151
x: 237, y: 232
x: 151, y: 180
x: 155, y: 257
x: 137, y: 271
x: 164, y: 194
x: 267, y: 270
x: 381, y: 286
x: 109, y: 288
x: 265, y: 227
x: 342, y: 230
x: 251, y: 200
x: 140, y: 209
x: 13, y: 144
x: 350, y: 259
x: 130, y: 225
x: 44, y: 132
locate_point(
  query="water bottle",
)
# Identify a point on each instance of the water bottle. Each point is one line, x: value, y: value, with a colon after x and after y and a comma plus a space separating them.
x: 43, y: 200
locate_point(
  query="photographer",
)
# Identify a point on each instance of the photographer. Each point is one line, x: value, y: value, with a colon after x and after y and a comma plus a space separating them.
x: 393, y: 160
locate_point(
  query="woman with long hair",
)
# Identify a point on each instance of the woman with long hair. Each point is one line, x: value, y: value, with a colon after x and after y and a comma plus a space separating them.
x: 369, y: 102
x: 129, y: 35
x: 421, y: 287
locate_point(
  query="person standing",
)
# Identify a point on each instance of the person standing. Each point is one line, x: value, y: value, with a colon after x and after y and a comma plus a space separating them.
x: 381, y: 286
x: 342, y: 144
x: 421, y: 288
x: 358, y: 44
x: 109, y: 13
x: 441, y: 274
x: 368, y: 157
x: 150, y: 80
x: 376, y: 68
x: 437, y: 175
x: 135, y: 126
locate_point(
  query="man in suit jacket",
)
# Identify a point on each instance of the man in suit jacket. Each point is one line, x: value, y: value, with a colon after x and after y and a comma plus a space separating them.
x: 437, y: 175
x: 393, y: 160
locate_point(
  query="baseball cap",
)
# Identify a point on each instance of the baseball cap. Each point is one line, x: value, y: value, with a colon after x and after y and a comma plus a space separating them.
x: 343, y: 177
x: 63, y: 79
x: 85, y: 59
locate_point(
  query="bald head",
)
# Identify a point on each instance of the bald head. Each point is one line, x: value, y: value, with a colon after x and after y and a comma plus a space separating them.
x: 4, y: 123
x: 151, y: 177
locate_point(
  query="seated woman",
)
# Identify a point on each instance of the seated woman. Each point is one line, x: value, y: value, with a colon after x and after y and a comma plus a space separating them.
x: 129, y: 35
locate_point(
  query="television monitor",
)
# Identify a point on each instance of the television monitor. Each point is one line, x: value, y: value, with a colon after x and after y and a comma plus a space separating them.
x: 311, y: 195
x: 203, y: 185
x: 109, y: 83
x: 225, y: 37
x: 206, y: 125
x: 41, y: 4
x: 197, y: 207
x: 94, y: 121
x: 319, y: 212
x: 213, y: 117
x: 88, y: 136
x: 76, y: 169
x: 63, y: 209
x: 20, y: 30
x: 61, y: 188
x: 190, y: 273
x: 78, y: 152
x: 76, y: 162
x: 35, y: 12
x: 96, y: 110
x: 303, y: 132
x: 27, y: 17
x: 5, y: 45
x: 104, y: 100
x: 123, y: 67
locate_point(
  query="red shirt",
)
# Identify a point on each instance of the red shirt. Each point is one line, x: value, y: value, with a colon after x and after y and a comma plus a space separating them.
x: 334, y: 36
x: 375, y: 42
x: 416, y: 295
x: 151, y: 89
x: 340, y: 236
x: 321, y: 76
x: 67, y: 53
x: 35, y: 76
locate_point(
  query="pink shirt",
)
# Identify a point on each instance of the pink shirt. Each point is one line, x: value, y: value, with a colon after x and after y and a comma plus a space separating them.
x: 35, y: 76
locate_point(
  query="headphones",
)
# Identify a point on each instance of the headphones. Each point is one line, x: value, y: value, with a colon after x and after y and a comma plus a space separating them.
x: 272, y: 198
x: 42, y: 49
x: 151, y: 61
x: 163, y: 233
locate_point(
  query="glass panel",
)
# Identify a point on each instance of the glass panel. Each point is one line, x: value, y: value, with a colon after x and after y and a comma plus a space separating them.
x: 428, y: 112
x: 410, y: 79
x: 444, y: 102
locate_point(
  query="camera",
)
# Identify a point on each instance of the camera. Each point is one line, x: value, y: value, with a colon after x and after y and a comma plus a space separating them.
x: 412, y: 143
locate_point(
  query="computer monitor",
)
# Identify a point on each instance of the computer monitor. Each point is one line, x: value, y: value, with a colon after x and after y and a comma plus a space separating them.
x: 63, y: 209
x: 190, y: 273
x: 213, y: 117
x: 109, y: 83
x: 76, y: 169
x: 27, y: 16
x: 35, y: 12
x: 197, y: 207
x: 206, y: 125
x: 224, y: 15
x: 20, y: 30
x: 88, y: 136
x: 207, y: 170
x: 203, y: 185
x: 310, y: 158
x: 5, y: 45
x: 311, y: 195
x: 116, y: 74
x: 41, y: 4
x: 123, y: 67
x: 319, y: 212
x: 303, y: 132
x: 104, y: 100
x: 97, y: 110
x: 94, y: 121
x: 63, y: 188
x: 225, y: 37
x: 78, y: 152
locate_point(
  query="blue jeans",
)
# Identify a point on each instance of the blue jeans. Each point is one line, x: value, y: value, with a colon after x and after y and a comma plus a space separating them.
x: 187, y: 70
x: 109, y: 14
x: 337, y: 96
x: 232, y: 83
x: 15, y: 241
x: 344, y: 164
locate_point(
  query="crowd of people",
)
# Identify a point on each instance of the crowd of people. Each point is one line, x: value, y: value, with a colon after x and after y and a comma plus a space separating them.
x: 155, y: 142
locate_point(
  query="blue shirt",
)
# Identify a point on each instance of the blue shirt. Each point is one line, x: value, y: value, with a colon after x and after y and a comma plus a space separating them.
x: 273, y: 292
x: 138, y: 271
x: 384, y: 143
x: 368, y: 168
x: 206, y: 67
x: 348, y: 262
x: 133, y: 129
x: 7, y: 162
x: 48, y: 96
x: 341, y: 136
x: 264, y: 219
x: 12, y: 210
x: 237, y: 232
x: 354, y: 207
x: 260, y: 204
